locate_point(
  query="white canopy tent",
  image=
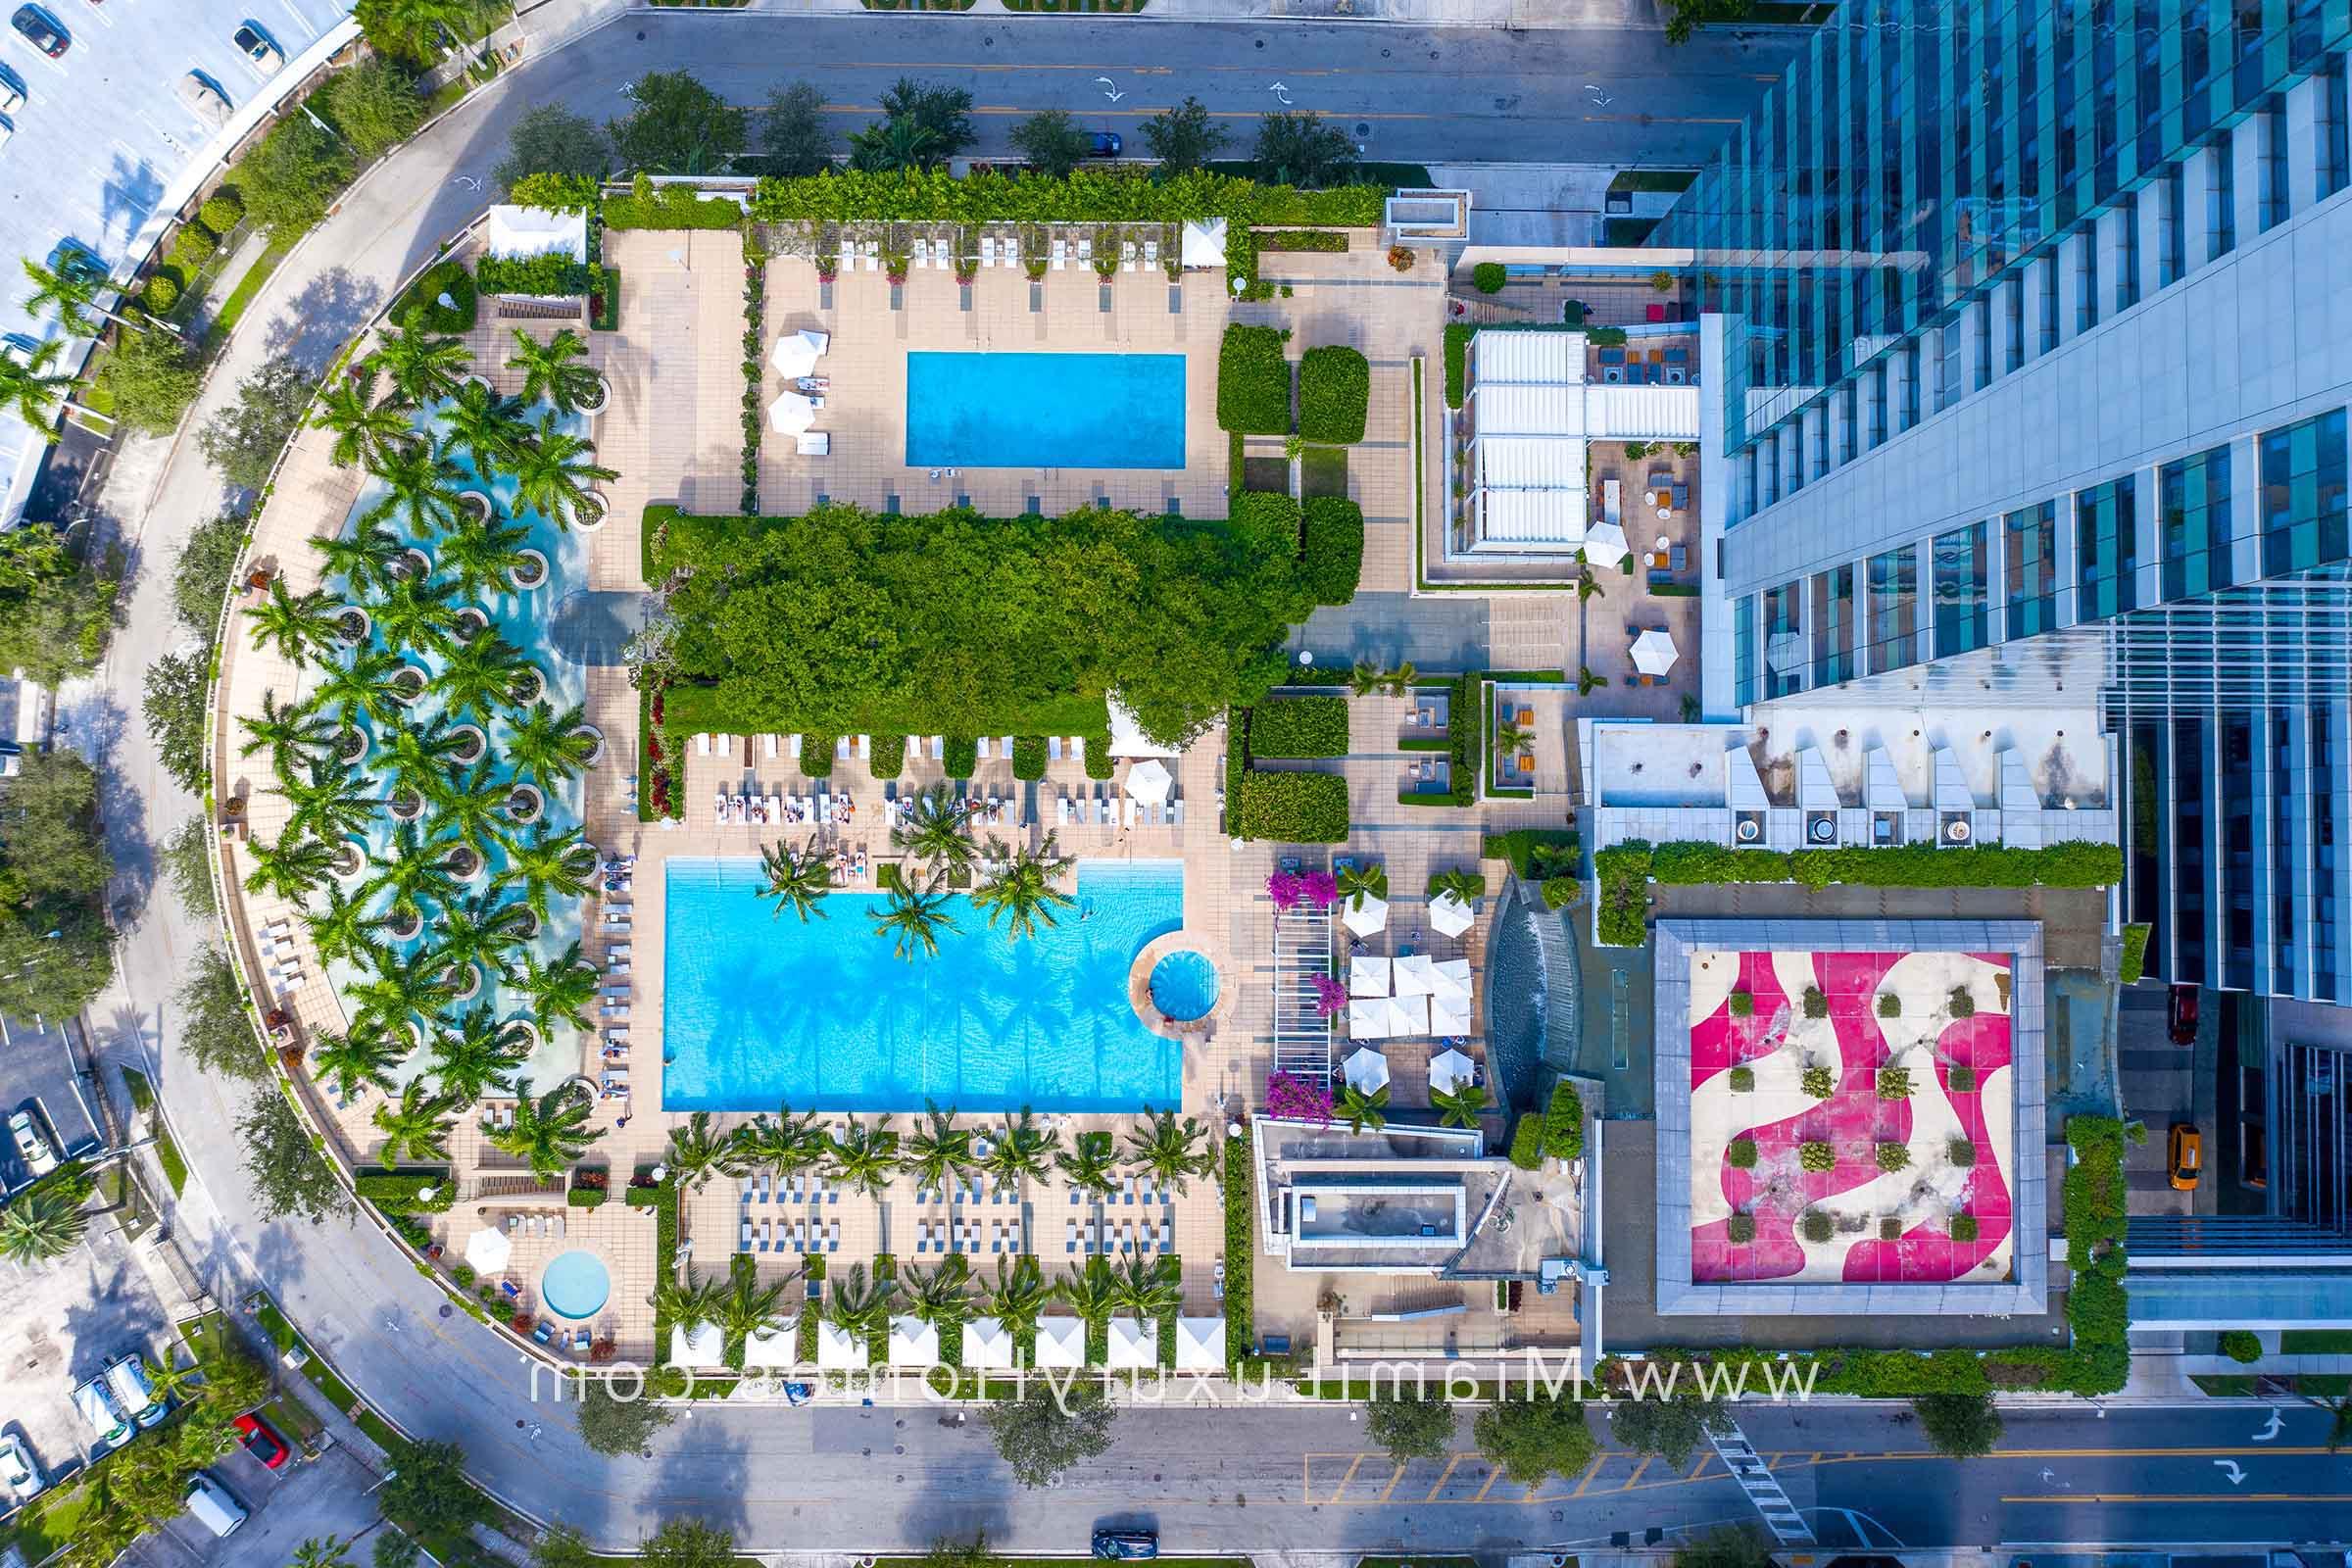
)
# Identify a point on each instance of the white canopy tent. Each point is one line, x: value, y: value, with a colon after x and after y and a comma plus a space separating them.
x: 1409, y: 1015
x: 838, y: 1349
x: 1449, y: 1014
x: 912, y: 1342
x: 487, y: 1251
x: 772, y: 1349
x: 1454, y: 978
x: 1448, y: 1071
x: 1416, y: 975
x: 1365, y: 914
x: 1368, y: 975
x: 1060, y: 1341
x: 1133, y: 1345
x: 790, y: 414
x: 1605, y: 544
x: 1367, y: 1017
x: 1367, y: 1069
x: 707, y: 1346
x: 1654, y: 652
x: 796, y: 352
x: 1450, y: 916
x: 1150, y: 781
x: 516, y: 233
x: 1199, y: 1345
x: 1205, y: 242
x: 987, y: 1343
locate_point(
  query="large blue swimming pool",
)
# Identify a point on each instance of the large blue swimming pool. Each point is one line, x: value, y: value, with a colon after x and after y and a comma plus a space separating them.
x: 760, y: 1011
x: 1045, y: 410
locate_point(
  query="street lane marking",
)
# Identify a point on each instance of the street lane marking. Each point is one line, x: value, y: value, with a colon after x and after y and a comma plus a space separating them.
x: 1492, y: 1476
x: 1588, y: 1475
x: 2197, y: 1498
x: 1353, y: 1466
x: 1438, y: 1485
x: 1704, y: 1460
x: 1635, y: 1476
x: 1390, y: 1489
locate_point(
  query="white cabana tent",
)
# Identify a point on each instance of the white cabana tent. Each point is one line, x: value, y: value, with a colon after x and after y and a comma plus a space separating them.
x: 1365, y: 914
x: 1654, y: 652
x: 797, y: 352
x: 517, y: 233
x: 1448, y: 1071
x: 1205, y: 242
x: 1127, y: 736
x: 790, y: 414
x: 1367, y: 1070
x: 1416, y: 975
x: 1150, y: 781
x: 1134, y: 1344
x: 772, y: 1349
x: 1409, y: 1015
x: 838, y: 1349
x: 1060, y: 1341
x: 1605, y: 544
x: 707, y: 1346
x: 1368, y: 975
x: 487, y: 1251
x: 912, y: 1342
x: 1449, y: 1014
x: 1450, y: 916
x: 987, y: 1343
x: 1199, y: 1345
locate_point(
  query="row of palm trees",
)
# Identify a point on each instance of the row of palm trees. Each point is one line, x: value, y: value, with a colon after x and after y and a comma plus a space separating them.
x: 1015, y: 885
x: 866, y: 1156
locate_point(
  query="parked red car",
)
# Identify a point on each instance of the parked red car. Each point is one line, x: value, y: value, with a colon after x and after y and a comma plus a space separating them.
x: 260, y: 1441
x: 2181, y: 1020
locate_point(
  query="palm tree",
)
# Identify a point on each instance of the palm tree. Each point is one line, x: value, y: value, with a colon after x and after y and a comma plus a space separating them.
x: 29, y: 388
x: 1396, y: 682
x: 421, y: 368
x: 698, y: 1149
x: 857, y: 1308
x: 781, y: 1144
x: 344, y: 931
x: 483, y: 426
x: 937, y: 1151
x: 1587, y: 586
x: 1365, y: 678
x: 556, y: 370
x: 482, y: 558
x: 418, y: 616
x: 478, y: 678
x: 797, y: 881
x: 1143, y: 1286
x: 44, y: 1223
x: 547, y: 866
x: 1020, y: 1295
x: 70, y: 292
x: 1021, y: 889
x: 368, y: 559
x: 1167, y: 1149
x: 301, y: 628
x: 749, y: 1308
x: 1368, y: 881
x: 418, y: 1127
x: 936, y: 1295
x: 334, y: 801
x: 913, y: 918
x: 478, y: 1055
x: 1022, y: 1151
x: 691, y: 1302
x: 414, y: 870
x: 1088, y: 1291
x: 296, y: 732
x: 564, y: 989
x: 365, y: 430
x: 401, y: 989
x: 1359, y: 1109
x: 175, y: 1382
x: 1467, y: 886
x: 365, y: 685
x: 546, y: 748
x: 482, y: 931
x: 292, y: 867
x: 1461, y: 1107
x: 362, y: 1057
x: 553, y: 471
x: 420, y: 489
x: 2339, y: 1430
x: 899, y: 142
x: 865, y: 1157
x: 936, y: 832
x: 551, y: 1131
x: 322, y: 1552
x: 417, y: 758
x: 1510, y: 737
x: 468, y: 807
x: 1090, y: 1163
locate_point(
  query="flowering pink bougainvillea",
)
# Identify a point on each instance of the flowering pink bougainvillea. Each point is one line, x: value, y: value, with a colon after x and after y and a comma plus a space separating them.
x: 1320, y: 889
x: 1330, y: 995
x: 1290, y: 1098
x: 1285, y: 889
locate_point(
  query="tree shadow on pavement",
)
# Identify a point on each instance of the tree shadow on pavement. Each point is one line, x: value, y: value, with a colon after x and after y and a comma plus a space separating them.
x: 317, y: 322
x: 705, y: 1475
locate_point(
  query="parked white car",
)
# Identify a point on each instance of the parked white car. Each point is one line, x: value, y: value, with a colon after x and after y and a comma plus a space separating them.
x: 97, y: 1408
x: 255, y: 45
x: 32, y: 1145
x: 19, y: 1475
x: 204, y: 100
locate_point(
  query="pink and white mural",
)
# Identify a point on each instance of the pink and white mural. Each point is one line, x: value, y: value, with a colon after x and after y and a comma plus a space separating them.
x: 1928, y: 1037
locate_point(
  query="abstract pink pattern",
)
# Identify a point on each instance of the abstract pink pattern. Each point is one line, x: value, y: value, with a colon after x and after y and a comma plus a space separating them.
x: 1853, y: 1121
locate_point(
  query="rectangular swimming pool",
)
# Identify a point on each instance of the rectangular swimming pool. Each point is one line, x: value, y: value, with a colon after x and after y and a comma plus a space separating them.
x: 1045, y: 410
x: 760, y: 1011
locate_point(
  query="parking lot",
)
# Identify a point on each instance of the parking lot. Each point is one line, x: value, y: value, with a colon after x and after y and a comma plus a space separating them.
x: 36, y: 1075
x: 332, y: 1495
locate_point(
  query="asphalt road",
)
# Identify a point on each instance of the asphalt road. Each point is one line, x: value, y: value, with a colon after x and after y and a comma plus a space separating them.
x: 1258, y: 1478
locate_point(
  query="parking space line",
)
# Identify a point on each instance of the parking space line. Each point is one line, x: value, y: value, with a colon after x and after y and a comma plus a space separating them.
x: 1354, y: 1464
x: 1492, y: 1476
x: 1636, y: 1475
x: 1438, y: 1485
x: 1597, y: 1461
x: 1390, y: 1489
x: 1699, y: 1469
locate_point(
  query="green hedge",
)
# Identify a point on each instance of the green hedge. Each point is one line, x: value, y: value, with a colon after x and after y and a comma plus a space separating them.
x: 1086, y: 195
x: 960, y: 756
x: 2134, y: 963
x: 421, y: 308
x: 1296, y: 727
x: 1253, y: 381
x: 670, y: 207
x: 1331, y: 549
x: 2076, y: 864
x: 1527, y: 1142
x: 1564, y: 1124
x: 586, y: 1198
x: 549, y: 274
x: 1100, y: 763
x: 1029, y: 757
x: 1464, y: 732
x: 1534, y: 853
x: 889, y: 758
x: 1334, y: 392
x: 1302, y: 239
x: 1624, y: 874
x: 1457, y: 363
x: 394, y: 1192
x: 1295, y: 807
x: 1241, y: 1246
x: 1488, y: 277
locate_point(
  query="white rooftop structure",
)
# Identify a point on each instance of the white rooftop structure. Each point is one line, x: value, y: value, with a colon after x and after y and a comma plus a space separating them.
x: 1531, y: 412
x: 987, y: 1343
x: 1134, y: 1344
x: 707, y: 1346
x: 772, y: 1349
x: 1203, y: 243
x: 912, y: 1342
x: 838, y: 1349
x: 517, y: 233
x: 1060, y: 1341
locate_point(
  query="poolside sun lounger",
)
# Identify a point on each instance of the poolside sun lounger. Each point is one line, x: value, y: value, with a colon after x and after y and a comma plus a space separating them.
x: 1086, y: 249
x: 545, y: 1333
x: 1013, y: 250
x: 1150, y: 252
x: 513, y: 1224
x: 1127, y: 257
x: 1133, y: 808
x: 1061, y: 257
x: 1070, y: 1243
x: 701, y: 745
x: 848, y: 258
x: 988, y: 250
x: 873, y: 254
x: 768, y: 741
x: 1065, y: 811
x: 833, y: 1237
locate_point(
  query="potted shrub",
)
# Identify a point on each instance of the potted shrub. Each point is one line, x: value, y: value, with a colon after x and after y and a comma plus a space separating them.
x: 1400, y: 258
x: 1817, y: 1005
x: 1963, y: 1079
x: 1742, y: 1004
x: 1893, y: 1156
x: 1815, y: 1081
x: 1740, y: 1229
x: 1816, y: 1226
x: 1964, y: 1227
x: 1743, y: 1080
x: 1890, y: 1229
x: 1489, y: 277
x: 1894, y: 1083
x: 1961, y: 1153
x: 1817, y: 1156
x: 1741, y: 1156
x: 1963, y: 1004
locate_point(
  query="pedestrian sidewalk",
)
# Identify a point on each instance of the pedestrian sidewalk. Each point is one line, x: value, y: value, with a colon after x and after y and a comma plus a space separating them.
x: 1616, y: 15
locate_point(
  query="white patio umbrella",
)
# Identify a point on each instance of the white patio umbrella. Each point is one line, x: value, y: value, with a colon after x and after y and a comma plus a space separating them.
x: 1150, y: 781
x: 707, y: 1346
x: 1368, y: 975
x: 1365, y: 914
x: 1450, y: 916
x: 487, y: 1251
x: 1199, y: 1345
x: 1654, y: 652
x: 780, y: 1348
x: 1448, y: 1071
x: 838, y: 1349
x: 796, y: 352
x: 1449, y: 1014
x: 1416, y: 975
x: 1454, y: 979
x: 1367, y: 1070
x: 790, y: 414
x: 1604, y: 544
x: 987, y: 1343
x: 912, y: 1342
x: 1367, y: 1017
x: 1409, y: 1015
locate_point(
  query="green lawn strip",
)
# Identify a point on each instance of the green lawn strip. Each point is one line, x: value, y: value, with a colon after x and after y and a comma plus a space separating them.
x: 1323, y: 472
x: 2224, y: 1388
x: 166, y: 1154
x: 689, y: 709
x: 232, y: 309
x: 2315, y: 1342
x: 142, y: 1093
x: 45, y: 1525
x: 291, y: 1417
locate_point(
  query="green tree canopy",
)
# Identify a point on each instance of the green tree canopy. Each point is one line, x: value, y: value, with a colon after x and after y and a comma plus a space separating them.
x: 1040, y: 1435
x: 174, y: 708
x: 200, y: 573
x: 551, y: 140
x: 291, y: 1179
x: 1303, y: 149
x: 374, y: 104
x: 212, y: 1026
x: 679, y: 126
x: 1182, y: 139
x: 1671, y: 1429
x: 432, y: 1493
x: 1965, y: 1426
x: 612, y: 1424
x: 151, y: 379
x: 55, y: 607
x: 792, y: 137
x: 1533, y: 1440
x: 688, y: 1543
x: 1051, y: 142
x: 1411, y: 1424
x: 293, y: 177
x: 244, y: 439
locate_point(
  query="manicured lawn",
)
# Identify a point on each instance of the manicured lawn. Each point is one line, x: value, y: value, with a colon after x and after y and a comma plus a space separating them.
x: 232, y: 309
x: 1271, y: 474
x: 2315, y: 1342
x: 1323, y: 472
x: 175, y: 1168
x: 2225, y: 1388
x: 46, y: 1524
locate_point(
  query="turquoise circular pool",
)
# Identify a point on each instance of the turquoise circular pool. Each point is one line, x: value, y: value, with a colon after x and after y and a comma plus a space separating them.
x: 574, y: 1285
x: 1184, y: 985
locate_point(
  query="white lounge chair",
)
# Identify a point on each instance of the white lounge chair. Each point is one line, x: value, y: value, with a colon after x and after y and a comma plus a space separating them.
x: 1086, y: 249
x: 988, y: 250
x: 1127, y: 255
x: 1176, y: 812
x: 1150, y: 252
x: 1061, y: 255
x: 1064, y: 813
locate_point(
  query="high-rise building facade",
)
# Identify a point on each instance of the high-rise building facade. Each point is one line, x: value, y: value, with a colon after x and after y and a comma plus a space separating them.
x: 2030, y: 327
